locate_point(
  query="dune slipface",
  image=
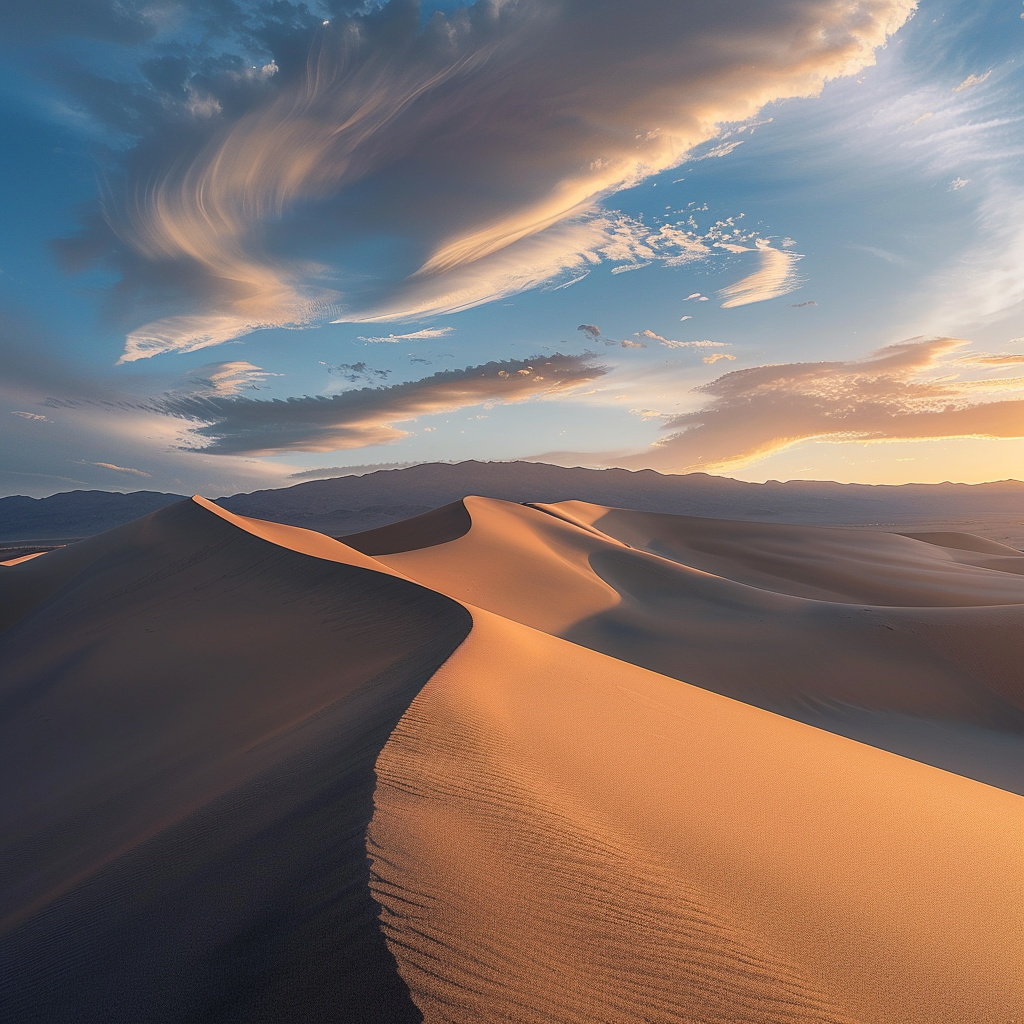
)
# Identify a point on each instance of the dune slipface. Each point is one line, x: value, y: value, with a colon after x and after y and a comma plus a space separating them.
x: 455, y: 770
x: 191, y: 713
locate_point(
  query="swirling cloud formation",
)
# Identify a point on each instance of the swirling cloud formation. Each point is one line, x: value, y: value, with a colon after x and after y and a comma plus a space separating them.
x: 475, y: 151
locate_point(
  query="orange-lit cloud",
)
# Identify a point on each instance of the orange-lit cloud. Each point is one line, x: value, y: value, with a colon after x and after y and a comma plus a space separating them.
x: 224, y: 379
x: 916, y: 390
x: 359, y: 418
x: 120, y: 469
x: 486, y: 141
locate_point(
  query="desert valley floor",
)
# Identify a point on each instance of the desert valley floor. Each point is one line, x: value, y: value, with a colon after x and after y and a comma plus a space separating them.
x: 503, y: 762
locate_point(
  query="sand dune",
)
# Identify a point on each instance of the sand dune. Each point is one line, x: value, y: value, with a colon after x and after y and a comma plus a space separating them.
x: 909, y: 645
x: 191, y: 715
x: 561, y: 837
x: 455, y: 770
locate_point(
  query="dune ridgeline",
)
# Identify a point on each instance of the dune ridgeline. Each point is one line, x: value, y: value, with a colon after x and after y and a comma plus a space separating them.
x: 535, y: 763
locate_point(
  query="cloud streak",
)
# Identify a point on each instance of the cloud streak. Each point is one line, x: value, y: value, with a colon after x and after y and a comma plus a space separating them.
x: 364, y: 417
x: 914, y: 391
x: 484, y: 143
x: 671, y: 343
x: 426, y: 333
x: 120, y: 469
x: 225, y: 379
x: 776, y: 276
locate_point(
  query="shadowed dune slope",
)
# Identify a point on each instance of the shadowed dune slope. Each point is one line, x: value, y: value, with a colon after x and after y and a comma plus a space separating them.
x: 190, y: 710
x: 435, y: 527
x: 909, y: 645
x: 853, y: 566
x: 559, y: 837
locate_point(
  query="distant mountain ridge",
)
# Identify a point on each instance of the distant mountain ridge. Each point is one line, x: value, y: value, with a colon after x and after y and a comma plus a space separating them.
x: 352, y: 504
x: 74, y: 514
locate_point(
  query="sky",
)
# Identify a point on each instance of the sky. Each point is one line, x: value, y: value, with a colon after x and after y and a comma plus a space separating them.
x: 248, y: 243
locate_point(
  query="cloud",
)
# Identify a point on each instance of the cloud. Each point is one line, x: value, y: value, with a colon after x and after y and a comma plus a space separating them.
x: 592, y: 331
x: 715, y: 356
x: 972, y: 135
x: 915, y: 390
x: 31, y: 416
x: 354, y: 372
x: 357, y: 419
x: 476, y: 150
x: 800, y: 305
x: 534, y: 261
x: 120, y: 469
x: 776, y: 276
x: 427, y: 332
x: 1008, y: 359
x: 722, y: 149
x: 958, y: 183
x: 984, y: 282
x: 102, y: 419
x: 669, y: 343
x: 971, y: 80
x: 224, y: 379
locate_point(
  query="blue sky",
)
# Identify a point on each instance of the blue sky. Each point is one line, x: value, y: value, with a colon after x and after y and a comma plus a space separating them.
x: 244, y: 243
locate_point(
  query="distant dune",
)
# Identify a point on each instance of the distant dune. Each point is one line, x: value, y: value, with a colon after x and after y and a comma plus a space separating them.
x: 549, y: 763
x: 913, y: 645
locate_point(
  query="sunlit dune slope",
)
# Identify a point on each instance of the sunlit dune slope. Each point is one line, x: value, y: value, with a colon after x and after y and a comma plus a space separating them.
x: 559, y: 837
x: 191, y: 709
x: 907, y: 644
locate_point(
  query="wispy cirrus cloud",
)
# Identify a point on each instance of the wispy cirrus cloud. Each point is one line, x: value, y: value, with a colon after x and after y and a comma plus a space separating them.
x: 231, y: 378
x: 422, y: 335
x: 922, y: 389
x: 950, y: 117
x: 672, y: 343
x: 971, y: 80
x: 365, y: 417
x: 480, y: 146
x: 776, y: 276
x: 120, y: 469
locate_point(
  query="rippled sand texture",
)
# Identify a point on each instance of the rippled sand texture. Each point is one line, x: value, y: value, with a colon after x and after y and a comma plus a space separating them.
x: 561, y: 837
x: 508, y: 763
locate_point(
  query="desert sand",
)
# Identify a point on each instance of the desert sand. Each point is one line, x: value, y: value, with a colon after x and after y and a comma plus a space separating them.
x: 540, y: 764
x: 912, y: 645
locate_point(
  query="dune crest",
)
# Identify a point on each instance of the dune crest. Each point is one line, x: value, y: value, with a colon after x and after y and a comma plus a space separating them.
x: 192, y: 706
x: 905, y: 644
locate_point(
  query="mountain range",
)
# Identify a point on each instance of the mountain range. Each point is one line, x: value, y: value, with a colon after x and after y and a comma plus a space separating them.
x: 351, y: 504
